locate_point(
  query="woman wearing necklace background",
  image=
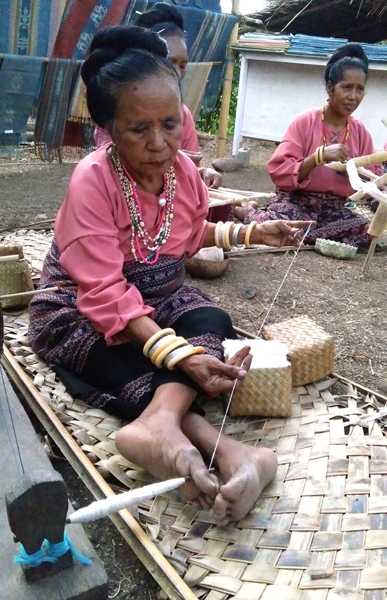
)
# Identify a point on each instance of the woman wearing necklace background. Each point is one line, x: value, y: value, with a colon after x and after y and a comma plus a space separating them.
x: 306, y: 188
x: 124, y: 332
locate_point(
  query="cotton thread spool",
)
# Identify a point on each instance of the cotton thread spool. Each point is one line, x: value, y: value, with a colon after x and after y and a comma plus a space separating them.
x: 102, y: 508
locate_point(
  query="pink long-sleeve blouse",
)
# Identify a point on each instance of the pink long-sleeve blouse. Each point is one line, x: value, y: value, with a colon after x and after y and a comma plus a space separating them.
x: 303, y: 136
x: 189, y: 139
x: 92, y: 231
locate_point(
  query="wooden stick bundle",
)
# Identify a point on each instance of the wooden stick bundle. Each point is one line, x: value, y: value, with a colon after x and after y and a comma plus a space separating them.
x: 225, y: 196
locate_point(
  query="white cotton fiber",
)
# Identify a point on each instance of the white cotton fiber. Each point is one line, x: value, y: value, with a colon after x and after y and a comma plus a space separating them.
x: 212, y: 253
x: 266, y: 354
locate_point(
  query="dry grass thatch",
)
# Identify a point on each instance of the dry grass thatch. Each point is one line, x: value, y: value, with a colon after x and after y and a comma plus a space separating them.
x: 359, y: 20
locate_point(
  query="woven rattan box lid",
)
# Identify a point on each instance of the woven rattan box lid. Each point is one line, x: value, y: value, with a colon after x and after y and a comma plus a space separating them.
x: 311, y: 349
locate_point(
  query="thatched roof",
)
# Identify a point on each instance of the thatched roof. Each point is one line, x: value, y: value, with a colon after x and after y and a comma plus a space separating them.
x: 358, y: 20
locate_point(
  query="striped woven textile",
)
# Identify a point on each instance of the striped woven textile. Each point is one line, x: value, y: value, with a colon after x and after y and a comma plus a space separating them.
x: 194, y: 84
x: 26, y: 26
x: 81, y: 19
x: 20, y: 80
x: 58, y: 86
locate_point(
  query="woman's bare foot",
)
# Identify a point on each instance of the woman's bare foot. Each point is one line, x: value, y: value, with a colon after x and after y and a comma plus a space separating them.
x: 245, y: 471
x: 156, y: 442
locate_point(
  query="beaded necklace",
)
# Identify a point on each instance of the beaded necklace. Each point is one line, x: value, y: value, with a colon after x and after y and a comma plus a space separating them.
x: 347, y: 130
x: 140, y: 238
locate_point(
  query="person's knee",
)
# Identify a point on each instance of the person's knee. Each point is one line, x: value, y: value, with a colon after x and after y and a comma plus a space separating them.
x: 209, y: 320
x: 225, y: 323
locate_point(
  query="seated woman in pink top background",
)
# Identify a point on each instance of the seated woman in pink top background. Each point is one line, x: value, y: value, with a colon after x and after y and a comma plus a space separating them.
x: 306, y: 188
x: 168, y: 23
x: 133, y: 211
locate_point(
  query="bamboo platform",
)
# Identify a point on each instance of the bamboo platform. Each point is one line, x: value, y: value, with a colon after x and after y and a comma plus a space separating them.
x: 319, y: 531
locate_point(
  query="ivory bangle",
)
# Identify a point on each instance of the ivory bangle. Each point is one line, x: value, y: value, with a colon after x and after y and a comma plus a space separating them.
x: 226, y: 235
x: 218, y: 234
x: 249, y: 231
x: 159, y: 345
x: 319, y: 156
x: 235, y: 235
x: 163, y: 353
x: 177, y: 355
x: 155, y: 337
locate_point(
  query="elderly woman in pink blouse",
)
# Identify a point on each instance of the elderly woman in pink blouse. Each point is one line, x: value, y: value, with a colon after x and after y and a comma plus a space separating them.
x: 306, y: 187
x: 123, y: 331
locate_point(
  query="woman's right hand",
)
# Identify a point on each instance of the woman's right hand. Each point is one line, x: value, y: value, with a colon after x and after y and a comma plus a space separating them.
x: 336, y: 152
x: 212, y: 375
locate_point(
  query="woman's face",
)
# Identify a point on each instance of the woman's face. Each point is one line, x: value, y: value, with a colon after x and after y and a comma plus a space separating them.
x: 177, y: 53
x: 147, y: 127
x: 346, y: 95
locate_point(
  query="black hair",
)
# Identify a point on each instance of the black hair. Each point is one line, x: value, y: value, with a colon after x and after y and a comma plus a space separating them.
x: 350, y: 56
x: 164, y: 19
x: 117, y: 56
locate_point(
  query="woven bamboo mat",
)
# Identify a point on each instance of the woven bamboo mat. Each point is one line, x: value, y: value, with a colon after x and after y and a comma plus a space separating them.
x: 35, y: 246
x: 318, y: 531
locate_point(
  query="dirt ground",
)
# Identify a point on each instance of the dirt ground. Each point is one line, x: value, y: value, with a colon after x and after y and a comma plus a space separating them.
x: 332, y: 292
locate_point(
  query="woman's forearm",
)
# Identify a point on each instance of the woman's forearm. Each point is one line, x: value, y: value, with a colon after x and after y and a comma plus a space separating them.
x: 255, y: 237
x: 209, y: 240
x: 307, y: 166
x: 141, y: 329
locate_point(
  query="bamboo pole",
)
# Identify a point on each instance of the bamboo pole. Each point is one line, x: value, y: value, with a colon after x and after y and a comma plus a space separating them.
x: 28, y: 293
x: 227, y: 87
x: 360, y: 161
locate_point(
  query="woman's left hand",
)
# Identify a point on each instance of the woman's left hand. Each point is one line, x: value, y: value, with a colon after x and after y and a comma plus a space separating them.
x: 279, y: 233
x: 211, y: 177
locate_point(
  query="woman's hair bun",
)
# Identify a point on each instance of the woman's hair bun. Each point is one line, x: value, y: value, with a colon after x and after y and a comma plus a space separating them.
x: 111, y: 42
x: 161, y: 13
x: 347, y: 56
x: 351, y: 50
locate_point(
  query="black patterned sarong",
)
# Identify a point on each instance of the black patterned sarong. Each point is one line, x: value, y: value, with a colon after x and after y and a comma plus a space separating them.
x: 119, y: 378
x: 333, y: 220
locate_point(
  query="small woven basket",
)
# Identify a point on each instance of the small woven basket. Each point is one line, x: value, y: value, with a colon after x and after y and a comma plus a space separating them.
x: 311, y: 349
x: 264, y: 393
x: 266, y: 389
x: 15, y: 276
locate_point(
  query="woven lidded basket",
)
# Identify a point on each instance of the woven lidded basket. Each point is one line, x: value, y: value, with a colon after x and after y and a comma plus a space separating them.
x: 266, y: 389
x: 311, y: 349
x: 15, y: 276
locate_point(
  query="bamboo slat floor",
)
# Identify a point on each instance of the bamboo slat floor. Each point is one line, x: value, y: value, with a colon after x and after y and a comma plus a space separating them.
x: 319, y: 531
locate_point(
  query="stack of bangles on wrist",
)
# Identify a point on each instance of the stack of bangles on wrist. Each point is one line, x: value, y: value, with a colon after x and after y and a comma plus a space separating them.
x: 319, y: 156
x: 227, y: 234
x: 166, y: 349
